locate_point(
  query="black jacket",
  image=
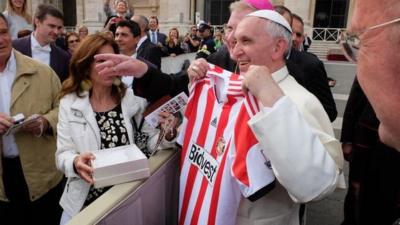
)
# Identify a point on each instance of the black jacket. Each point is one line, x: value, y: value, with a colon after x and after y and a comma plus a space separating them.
x: 59, y: 59
x: 310, y: 72
x: 375, y: 166
x: 156, y: 84
x: 150, y: 52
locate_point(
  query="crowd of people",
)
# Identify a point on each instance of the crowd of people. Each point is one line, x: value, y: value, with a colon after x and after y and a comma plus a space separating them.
x: 268, y: 143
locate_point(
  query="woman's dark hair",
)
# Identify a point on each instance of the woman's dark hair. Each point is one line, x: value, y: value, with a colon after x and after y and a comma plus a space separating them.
x: 81, y: 62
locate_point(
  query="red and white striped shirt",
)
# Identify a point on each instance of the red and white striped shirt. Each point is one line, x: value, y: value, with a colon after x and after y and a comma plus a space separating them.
x: 221, y: 158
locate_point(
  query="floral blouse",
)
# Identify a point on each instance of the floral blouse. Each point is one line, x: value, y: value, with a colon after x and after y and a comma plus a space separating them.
x: 113, y: 133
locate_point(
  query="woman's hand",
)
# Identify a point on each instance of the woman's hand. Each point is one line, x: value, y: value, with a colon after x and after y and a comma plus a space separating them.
x: 109, y: 23
x: 197, y: 70
x: 37, y: 126
x: 168, y: 123
x: 83, y: 166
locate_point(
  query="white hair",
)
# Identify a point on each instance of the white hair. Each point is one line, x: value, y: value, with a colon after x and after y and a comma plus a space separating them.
x: 276, y: 31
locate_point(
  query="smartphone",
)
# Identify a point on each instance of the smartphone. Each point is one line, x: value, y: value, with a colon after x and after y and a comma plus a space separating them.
x: 19, y: 118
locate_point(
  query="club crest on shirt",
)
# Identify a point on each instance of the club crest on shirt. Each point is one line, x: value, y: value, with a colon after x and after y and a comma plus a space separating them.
x: 220, y: 146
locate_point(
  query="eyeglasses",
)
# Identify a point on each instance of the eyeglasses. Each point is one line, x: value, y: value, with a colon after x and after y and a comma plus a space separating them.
x: 72, y: 41
x: 351, y: 42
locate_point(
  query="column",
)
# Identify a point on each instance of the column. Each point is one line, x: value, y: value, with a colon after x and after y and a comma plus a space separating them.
x: 278, y: 2
x: 174, y: 13
x: 80, y: 14
x: 3, y: 6
x: 90, y: 13
x: 301, y: 8
x: 350, y: 12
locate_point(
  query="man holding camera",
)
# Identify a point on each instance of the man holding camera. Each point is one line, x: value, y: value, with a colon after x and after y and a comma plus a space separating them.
x: 30, y: 185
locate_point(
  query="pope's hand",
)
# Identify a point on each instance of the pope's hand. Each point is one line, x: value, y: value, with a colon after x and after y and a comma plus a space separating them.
x: 259, y: 82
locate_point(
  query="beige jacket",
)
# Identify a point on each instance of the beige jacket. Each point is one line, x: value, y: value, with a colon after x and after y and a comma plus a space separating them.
x: 35, y: 91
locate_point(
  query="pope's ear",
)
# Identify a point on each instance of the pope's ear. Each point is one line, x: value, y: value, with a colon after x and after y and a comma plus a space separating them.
x: 279, y: 49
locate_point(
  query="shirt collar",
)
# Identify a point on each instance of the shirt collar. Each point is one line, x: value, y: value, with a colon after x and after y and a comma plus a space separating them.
x: 141, y: 42
x: 36, y: 45
x: 11, y: 67
x: 280, y: 74
x: 226, y: 84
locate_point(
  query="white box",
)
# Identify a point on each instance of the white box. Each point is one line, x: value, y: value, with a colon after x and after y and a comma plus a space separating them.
x: 119, y: 165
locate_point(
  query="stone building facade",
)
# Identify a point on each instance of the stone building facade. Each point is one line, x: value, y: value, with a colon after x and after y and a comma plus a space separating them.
x: 181, y: 13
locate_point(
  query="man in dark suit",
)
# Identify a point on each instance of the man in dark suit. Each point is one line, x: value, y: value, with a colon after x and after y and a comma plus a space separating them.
x: 374, y: 168
x: 305, y: 67
x: 310, y: 72
x: 145, y: 49
x: 155, y: 36
x: 48, y: 24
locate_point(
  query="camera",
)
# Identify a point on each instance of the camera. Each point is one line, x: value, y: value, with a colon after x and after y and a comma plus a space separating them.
x: 19, y: 118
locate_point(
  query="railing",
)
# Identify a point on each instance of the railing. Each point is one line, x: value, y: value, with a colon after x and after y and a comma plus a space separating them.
x: 327, y: 34
x: 69, y: 28
x: 150, y: 201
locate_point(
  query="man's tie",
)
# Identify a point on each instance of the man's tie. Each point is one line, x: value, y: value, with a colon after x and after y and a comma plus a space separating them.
x: 153, y: 37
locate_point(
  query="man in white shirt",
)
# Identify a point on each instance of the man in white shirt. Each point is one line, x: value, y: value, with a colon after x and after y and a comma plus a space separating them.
x: 30, y: 185
x: 48, y: 24
x: 127, y: 36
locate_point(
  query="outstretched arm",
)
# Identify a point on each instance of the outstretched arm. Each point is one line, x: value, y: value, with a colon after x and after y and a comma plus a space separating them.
x: 120, y: 65
x: 107, y: 9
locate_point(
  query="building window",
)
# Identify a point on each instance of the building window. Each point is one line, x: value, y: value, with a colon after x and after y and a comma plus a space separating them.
x: 69, y: 11
x: 331, y: 13
x: 217, y: 11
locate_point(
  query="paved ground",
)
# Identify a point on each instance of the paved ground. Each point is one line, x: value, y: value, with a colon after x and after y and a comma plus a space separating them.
x: 330, y: 210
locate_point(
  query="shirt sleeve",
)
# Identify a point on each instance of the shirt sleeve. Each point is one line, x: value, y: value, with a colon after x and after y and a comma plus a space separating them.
x: 66, y: 149
x: 254, y: 173
x: 251, y: 169
x: 299, y: 150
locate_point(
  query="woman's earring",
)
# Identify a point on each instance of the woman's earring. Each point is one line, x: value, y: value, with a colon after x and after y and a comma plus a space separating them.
x: 117, y: 81
x: 86, y: 85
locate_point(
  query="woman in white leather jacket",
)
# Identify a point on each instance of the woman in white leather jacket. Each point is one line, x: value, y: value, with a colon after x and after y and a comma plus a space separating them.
x: 96, y: 112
